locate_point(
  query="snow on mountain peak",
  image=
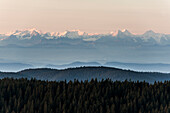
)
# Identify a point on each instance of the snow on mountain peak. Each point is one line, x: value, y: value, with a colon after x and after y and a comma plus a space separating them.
x: 24, y: 32
x: 68, y: 33
x: 121, y: 33
x: 33, y: 30
x: 152, y: 34
x: 53, y: 33
x: 125, y: 31
x: 149, y: 32
x: 114, y: 33
x: 156, y: 36
x: 72, y: 33
x: 78, y: 32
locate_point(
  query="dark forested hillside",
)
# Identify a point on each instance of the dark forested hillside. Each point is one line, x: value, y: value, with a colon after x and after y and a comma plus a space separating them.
x: 87, y: 73
x: 106, y: 96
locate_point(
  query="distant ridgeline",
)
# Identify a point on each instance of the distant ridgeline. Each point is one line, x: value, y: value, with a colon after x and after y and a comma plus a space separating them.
x: 87, y: 73
x: 106, y: 96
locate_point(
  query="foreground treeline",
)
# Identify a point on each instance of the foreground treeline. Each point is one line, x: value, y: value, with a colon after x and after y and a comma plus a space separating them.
x: 33, y: 96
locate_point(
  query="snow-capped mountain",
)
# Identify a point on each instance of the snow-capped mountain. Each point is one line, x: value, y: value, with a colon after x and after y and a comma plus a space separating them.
x: 35, y: 46
x: 24, y: 34
x: 72, y: 34
x: 120, y: 35
x: 68, y: 33
x: 158, y: 37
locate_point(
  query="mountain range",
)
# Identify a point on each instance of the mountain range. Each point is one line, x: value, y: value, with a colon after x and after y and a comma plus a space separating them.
x: 32, y: 45
x: 39, y: 37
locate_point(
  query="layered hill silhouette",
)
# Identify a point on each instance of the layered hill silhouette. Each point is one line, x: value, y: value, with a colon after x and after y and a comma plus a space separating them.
x: 14, y: 67
x: 142, y: 67
x: 147, y: 67
x: 87, y: 73
x: 73, y: 65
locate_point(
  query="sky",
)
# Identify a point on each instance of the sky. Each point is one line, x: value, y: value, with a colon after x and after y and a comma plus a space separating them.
x: 93, y: 16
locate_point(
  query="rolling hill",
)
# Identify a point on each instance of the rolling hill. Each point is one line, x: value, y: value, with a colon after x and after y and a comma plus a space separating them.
x: 87, y: 73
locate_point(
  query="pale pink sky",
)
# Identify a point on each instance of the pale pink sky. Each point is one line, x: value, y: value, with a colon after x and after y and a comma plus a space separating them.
x: 87, y: 15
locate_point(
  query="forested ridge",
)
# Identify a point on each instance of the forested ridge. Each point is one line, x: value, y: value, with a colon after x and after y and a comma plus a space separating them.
x: 105, y: 96
x: 87, y: 73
